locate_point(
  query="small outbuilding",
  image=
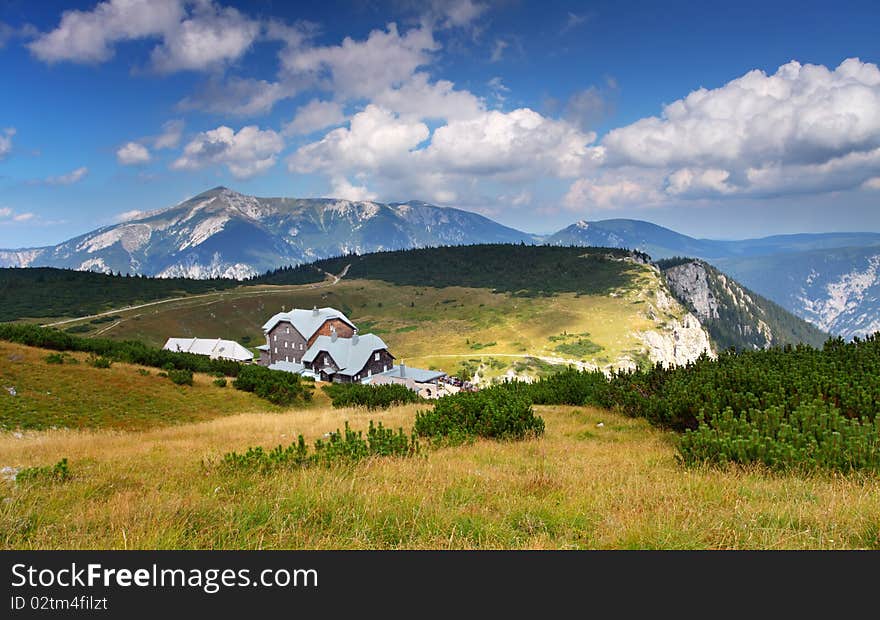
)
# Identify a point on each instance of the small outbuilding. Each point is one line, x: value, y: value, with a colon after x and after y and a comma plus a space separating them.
x: 215, y: 348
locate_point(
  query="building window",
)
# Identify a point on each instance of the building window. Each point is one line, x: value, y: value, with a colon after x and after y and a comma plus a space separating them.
x: 377, y: 356
x: 276, y: 350
x: 286, y: 330
x: 274, y: 337
x: 285, y: 344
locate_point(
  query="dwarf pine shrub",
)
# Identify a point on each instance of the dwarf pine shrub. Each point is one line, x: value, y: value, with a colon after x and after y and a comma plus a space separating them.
x: 815, y: 435
x: 346, y: 446
x: 181, y: 376
x: 497, y: 412
x: 59, y: 472
x: 370, y: 396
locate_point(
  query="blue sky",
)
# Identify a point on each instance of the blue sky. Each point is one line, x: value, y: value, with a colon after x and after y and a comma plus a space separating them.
x: 535, y: 114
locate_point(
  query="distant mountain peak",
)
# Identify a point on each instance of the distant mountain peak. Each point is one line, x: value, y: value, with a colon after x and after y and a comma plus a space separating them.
x: 222, y: 232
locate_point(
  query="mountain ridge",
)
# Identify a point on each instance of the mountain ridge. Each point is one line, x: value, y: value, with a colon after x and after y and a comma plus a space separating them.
x: 223, y: 233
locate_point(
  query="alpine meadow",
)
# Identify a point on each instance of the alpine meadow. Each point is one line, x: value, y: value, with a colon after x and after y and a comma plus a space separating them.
x: 423, y: 275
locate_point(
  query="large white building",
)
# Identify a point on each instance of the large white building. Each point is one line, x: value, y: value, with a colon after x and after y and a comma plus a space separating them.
x: 215, y: 348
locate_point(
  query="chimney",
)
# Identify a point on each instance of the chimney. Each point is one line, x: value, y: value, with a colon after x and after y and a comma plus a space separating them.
x: 315, y: 311
x: 354, y: 338
x: 332, y: 333
x: 402, y: 369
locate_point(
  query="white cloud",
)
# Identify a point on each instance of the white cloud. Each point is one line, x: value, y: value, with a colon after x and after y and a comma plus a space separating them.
x: 245, y: 153
x: 611, y: 193
x: 211, y: 36
x: 399, y: 157
x: 6, y: 141
x: 237, y: 96
x: 805, y: 129
x: 873, y: 183
x: 193, y: 35
x: 70, y: 178
x: 172, y: 131
x: 313, y: 116
x: 132, y: 154
x: 360, y: 69
x: 89, y: 36
x: 457, y: 13
x: 763, y: 129
x: 346, y: 191
x: 418, y: 98
x: 8, y: 215
x: 376, y: 139
x: 520, y: 142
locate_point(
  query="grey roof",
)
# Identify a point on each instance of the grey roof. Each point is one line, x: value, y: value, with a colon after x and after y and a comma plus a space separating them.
x: 419, y: 375
x: 306, y: 322
x: 213, y: 347
x: 263, y: 347
x: 350, y: 354
x: 287, y: 367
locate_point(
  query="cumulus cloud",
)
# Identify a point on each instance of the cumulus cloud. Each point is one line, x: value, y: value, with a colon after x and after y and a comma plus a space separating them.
x: 193, y: 35
x: 873, y: 183
x: 803, y: 129
x: 237, y: 96
x: 345, y: 190
x: 172, y: 132
x: 211, y: 36
x: 314, y: 116
x: 376, y: 140
x: 245, y: 153
x: 132, y: 154
x: 521, y: 142
x: 611, y: 192
x: 75, y: 176
x: 402, y: 156
x: 361, y: 69
x: 6, y: 141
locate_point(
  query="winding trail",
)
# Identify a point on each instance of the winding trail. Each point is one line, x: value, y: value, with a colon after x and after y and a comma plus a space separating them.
x: 257, y: 291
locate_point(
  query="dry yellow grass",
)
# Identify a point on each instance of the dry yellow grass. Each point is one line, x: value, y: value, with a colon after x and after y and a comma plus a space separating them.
x: 581, y: 486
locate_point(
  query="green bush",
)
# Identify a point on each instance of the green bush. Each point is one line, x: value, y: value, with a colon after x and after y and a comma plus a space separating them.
x: 370, y: 396
x: 220, y: 382
x: 341, y: 447
x: 813, y: 436
x: 99, y: 361
x: 59, y: 472
x: 181, y: 377
x: 496, y: 412
x: 276, y: 386
x: 55, y: 358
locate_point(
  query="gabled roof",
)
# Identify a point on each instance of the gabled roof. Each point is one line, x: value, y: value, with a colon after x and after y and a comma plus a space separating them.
x: 306, y: 322
x: 350, y: 354
x: 213, y: 347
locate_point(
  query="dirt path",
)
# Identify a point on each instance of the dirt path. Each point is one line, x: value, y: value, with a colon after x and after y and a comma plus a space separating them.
x: 580, y: 365
x: 259, y: 291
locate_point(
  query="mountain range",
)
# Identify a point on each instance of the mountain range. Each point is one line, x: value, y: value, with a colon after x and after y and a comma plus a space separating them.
x: 831, y: 280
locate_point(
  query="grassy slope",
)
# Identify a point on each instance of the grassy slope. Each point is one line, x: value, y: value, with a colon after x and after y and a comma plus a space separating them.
x: 81, y: 396
x: 424, y: 326
x: 616, y: 486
